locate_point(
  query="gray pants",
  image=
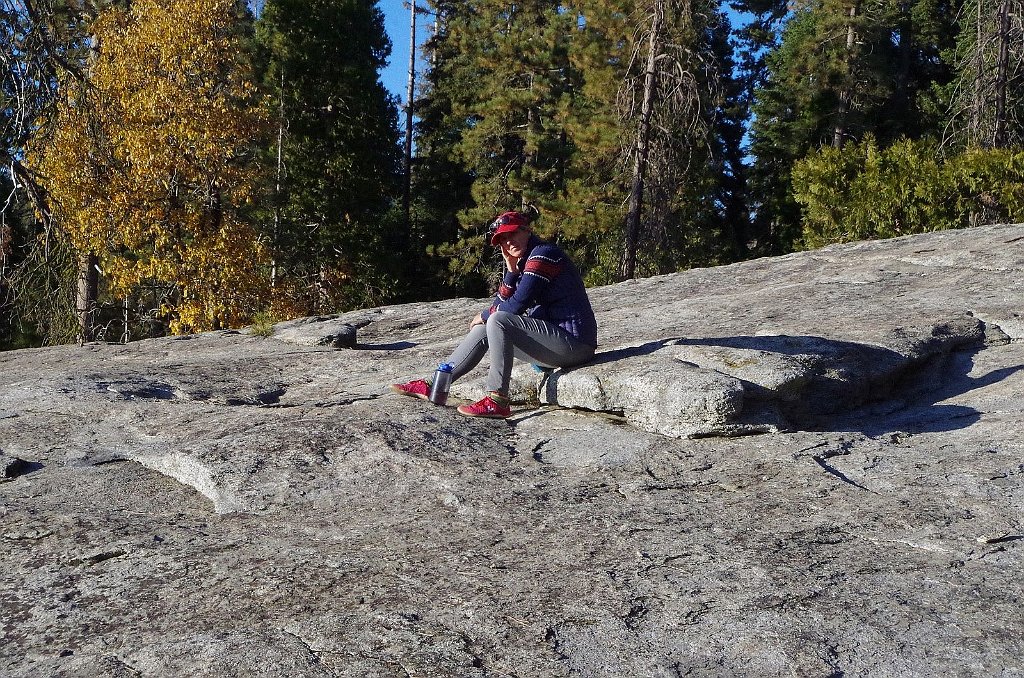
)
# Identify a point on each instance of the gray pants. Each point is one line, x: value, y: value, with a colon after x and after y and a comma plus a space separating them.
x: 507, y: 335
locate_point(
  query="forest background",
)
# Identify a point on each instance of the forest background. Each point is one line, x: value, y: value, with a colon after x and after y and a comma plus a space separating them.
x: 172, y: 166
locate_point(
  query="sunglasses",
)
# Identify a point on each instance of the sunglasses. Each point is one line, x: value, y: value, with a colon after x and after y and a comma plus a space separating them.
x: 500, y: 221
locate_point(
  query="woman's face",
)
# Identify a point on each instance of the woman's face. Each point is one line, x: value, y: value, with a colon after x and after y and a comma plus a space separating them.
x: 514, y: 243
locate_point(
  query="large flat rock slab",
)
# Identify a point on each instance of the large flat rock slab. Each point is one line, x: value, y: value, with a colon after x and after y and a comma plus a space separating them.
x: 807, y: 465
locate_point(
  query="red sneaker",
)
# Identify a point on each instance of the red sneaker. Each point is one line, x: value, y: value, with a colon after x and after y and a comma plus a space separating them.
x: 417, y: 389
x: 485, y: 408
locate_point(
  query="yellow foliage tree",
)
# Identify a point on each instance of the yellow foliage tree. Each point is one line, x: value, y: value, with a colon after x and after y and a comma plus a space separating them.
x: 150, y: 160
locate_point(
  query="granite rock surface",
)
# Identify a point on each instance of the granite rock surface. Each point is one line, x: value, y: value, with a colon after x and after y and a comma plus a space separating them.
x: 808, y: 465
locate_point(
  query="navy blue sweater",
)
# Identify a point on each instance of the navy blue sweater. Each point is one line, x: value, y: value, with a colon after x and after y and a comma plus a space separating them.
x: 548, y: 287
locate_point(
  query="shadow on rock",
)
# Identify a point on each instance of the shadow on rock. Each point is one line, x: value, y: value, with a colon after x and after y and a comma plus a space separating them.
x: 803, y: 376
x: 807, y: 350
x: 617, y: 354
x: 13, y: 467
x: 926, y: 411
x: 394, y: 346
x: 962, y: 382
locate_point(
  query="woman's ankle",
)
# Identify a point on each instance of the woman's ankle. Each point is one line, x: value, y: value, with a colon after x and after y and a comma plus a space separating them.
x: 499, y: 398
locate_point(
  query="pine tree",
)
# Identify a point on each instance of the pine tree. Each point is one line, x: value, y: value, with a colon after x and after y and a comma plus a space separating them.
x: 442, y: 183
x: 336, y: 231
x: 539, y: 102
x: 499, y: 87
x: 685, y: 149
x: 594, y: 207
x: 987, y: 97
x: 842, y: 70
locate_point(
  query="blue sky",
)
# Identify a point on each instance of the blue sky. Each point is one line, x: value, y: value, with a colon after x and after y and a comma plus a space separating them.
x: 396, y: 22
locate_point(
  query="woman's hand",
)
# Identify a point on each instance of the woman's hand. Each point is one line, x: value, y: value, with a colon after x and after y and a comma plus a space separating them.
x: 512, y: 262
x: 478, y: 320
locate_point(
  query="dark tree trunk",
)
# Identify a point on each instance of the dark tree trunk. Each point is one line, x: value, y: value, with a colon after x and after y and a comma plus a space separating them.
x: 978, y: 102
x: 278, y: 177
x: 999, y: 136
x: 902, y: 95
x: 846, y: 95
x: 634, y: 213
x: 407, y: 188
x: 88, y: 291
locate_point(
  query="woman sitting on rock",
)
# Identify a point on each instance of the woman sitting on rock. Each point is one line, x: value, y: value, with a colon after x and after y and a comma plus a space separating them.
x: 541, y: 314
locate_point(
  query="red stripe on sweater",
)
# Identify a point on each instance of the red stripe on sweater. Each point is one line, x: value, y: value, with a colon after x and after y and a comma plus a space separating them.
x: 543, y: 268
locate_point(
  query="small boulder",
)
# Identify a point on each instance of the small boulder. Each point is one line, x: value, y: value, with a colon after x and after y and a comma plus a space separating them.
x: 13, y: 467
x: 319, y: 331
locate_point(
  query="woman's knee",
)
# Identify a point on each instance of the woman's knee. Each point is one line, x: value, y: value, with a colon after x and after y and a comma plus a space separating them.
x: 499, y: 318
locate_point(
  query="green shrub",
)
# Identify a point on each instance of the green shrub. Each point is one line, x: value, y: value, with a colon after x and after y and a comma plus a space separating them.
x: 263, y: 324
x: 862, y: 192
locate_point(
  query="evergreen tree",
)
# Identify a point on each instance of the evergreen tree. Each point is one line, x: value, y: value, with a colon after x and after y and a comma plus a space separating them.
x: 540, y: 102
x: 987, y: 96
x: 442, y: 183
x: 727, y: 163
x: 589, y: 207
x: 840, y: 71
x: 865, y: 191
x: 336, y: 234
x: 500, y: 75
x: 696, y: 202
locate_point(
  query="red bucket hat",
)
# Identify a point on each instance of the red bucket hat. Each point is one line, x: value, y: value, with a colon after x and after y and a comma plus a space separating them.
x: 507, y: 223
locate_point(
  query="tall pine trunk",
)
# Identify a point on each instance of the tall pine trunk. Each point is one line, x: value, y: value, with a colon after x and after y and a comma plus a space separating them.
x: 846, y: 95
x: 906, y: 47
x: 999, y: 136
x: 978, y: 102
x: 88, y: 265
x: 634, y: 213
x: 407, y: 188
x: 278, y: 178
